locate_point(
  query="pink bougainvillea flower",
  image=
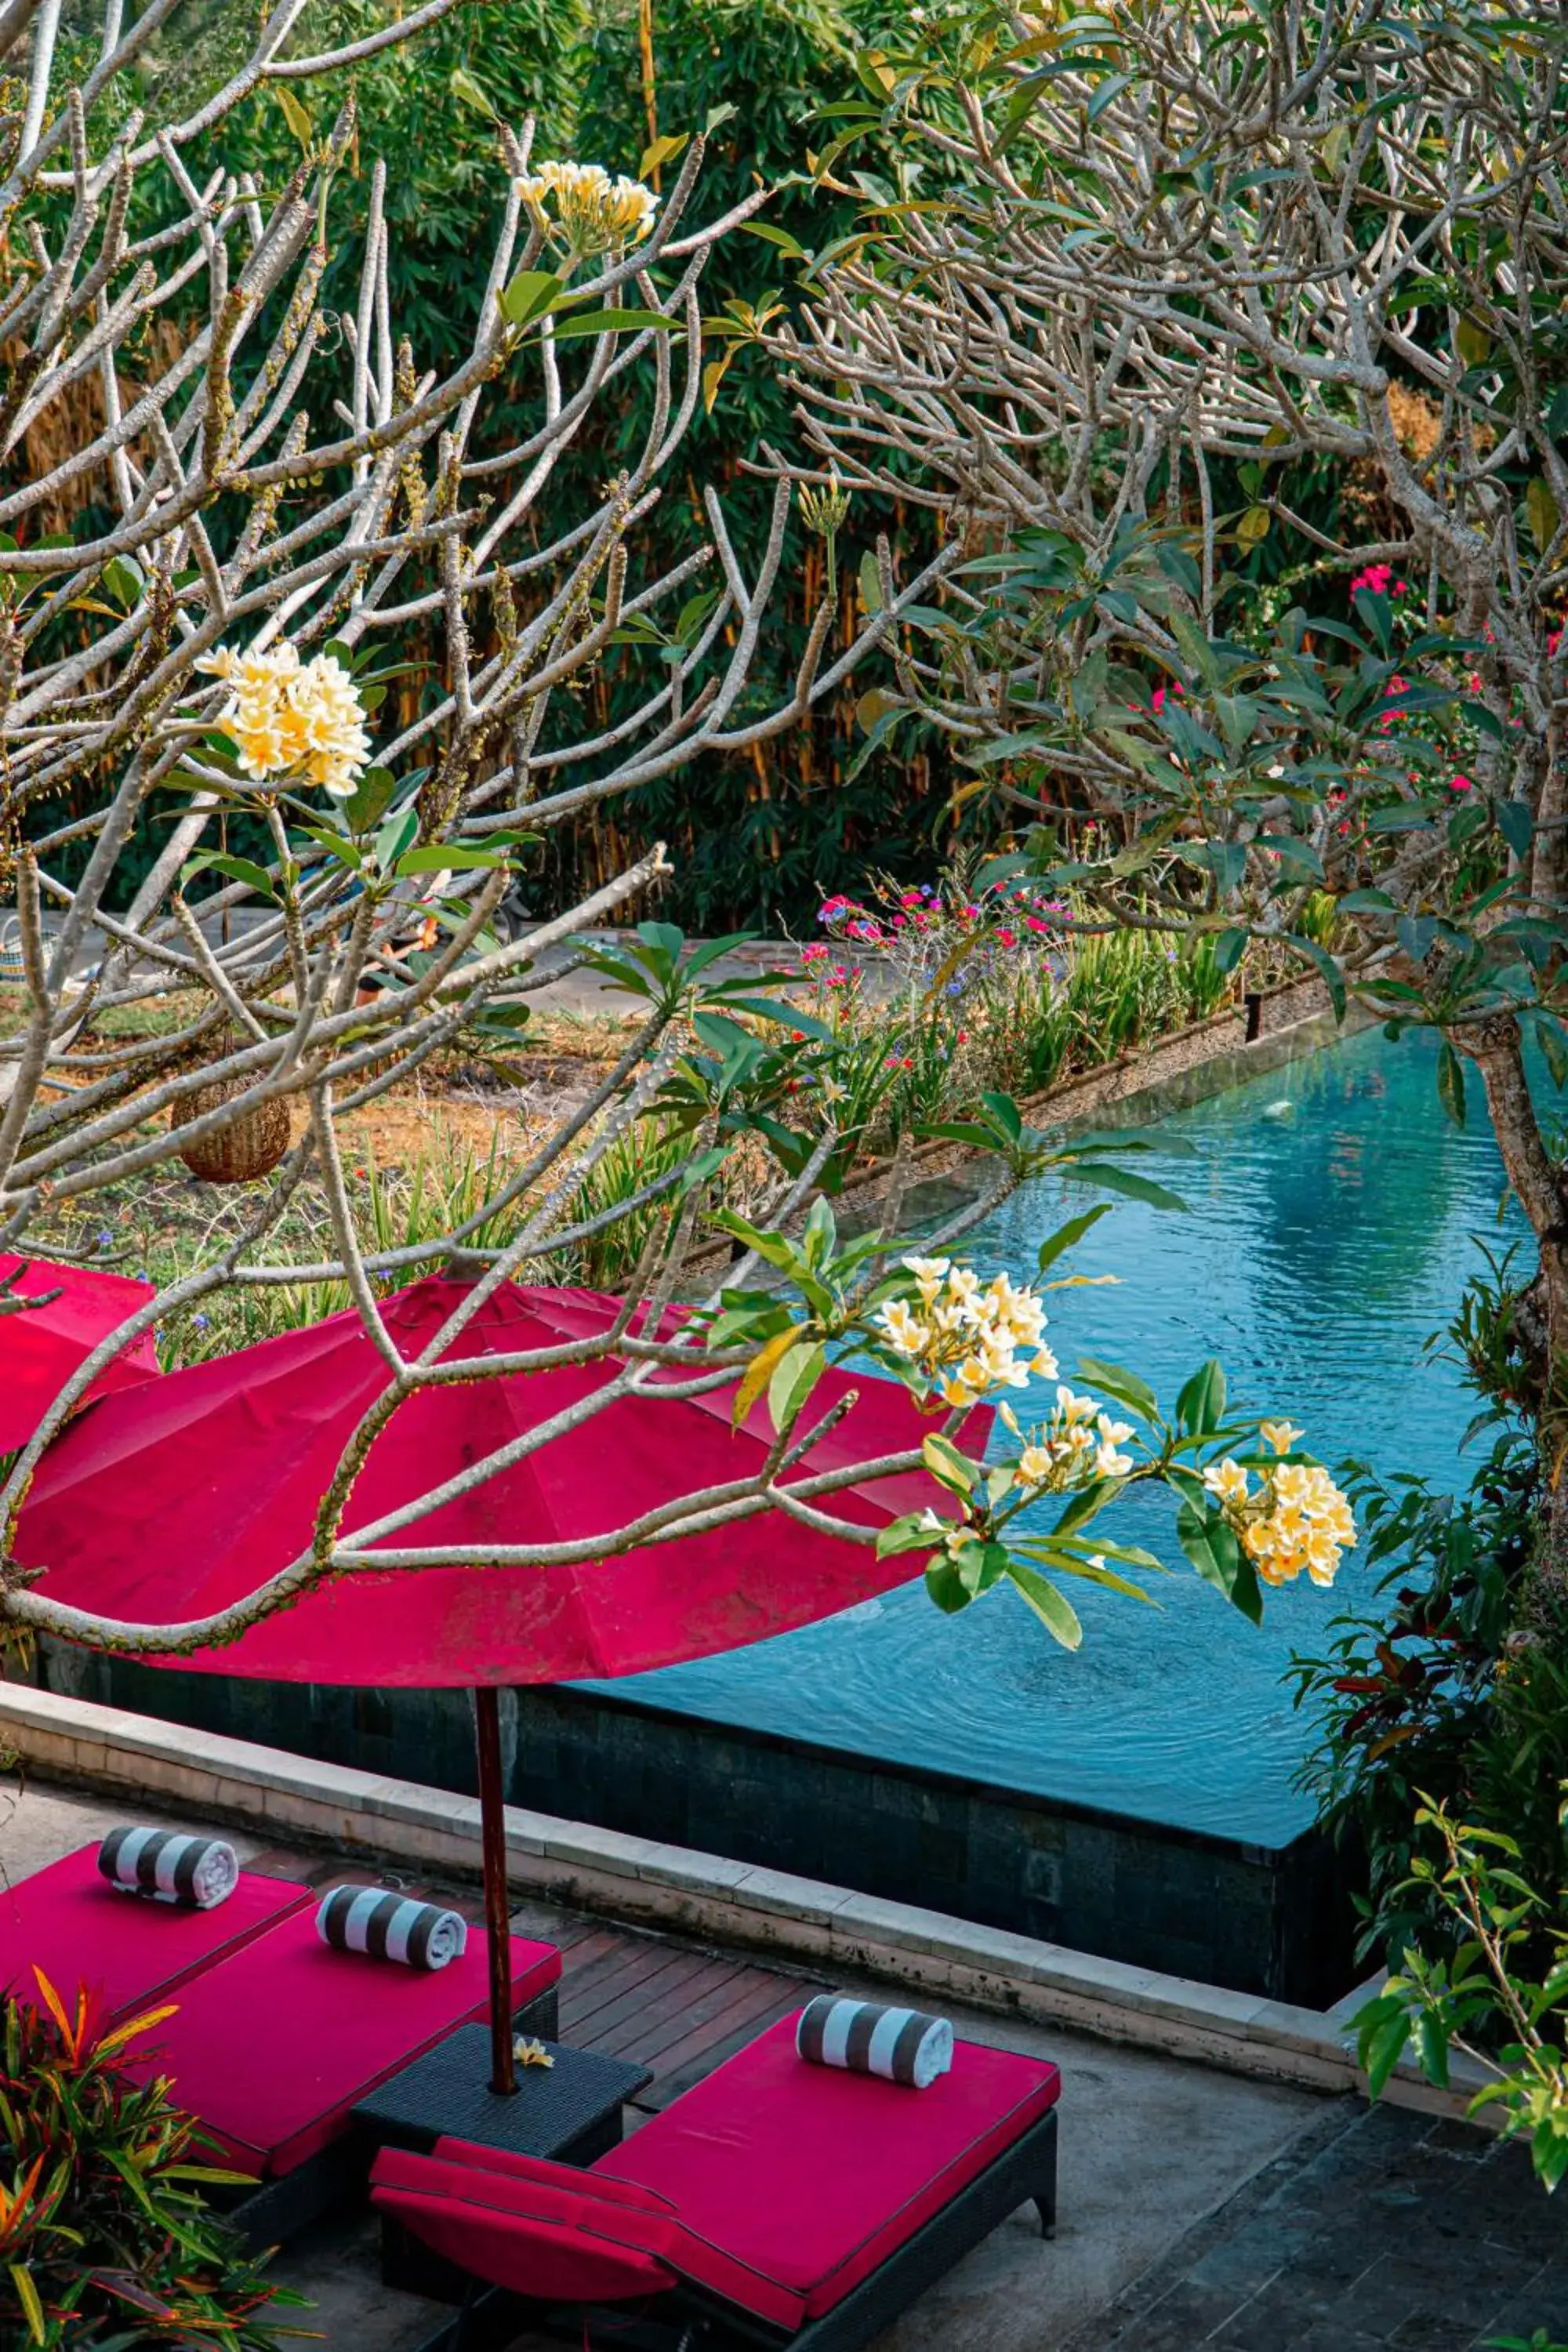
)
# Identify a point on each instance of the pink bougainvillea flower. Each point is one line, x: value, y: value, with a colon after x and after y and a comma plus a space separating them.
x: 1460, y: 784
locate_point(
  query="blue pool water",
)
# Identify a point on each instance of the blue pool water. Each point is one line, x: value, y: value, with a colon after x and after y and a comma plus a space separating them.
x: 1334, y: 1212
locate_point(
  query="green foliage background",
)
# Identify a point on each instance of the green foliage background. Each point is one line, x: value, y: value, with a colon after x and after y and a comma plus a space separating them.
x: 754, y: 838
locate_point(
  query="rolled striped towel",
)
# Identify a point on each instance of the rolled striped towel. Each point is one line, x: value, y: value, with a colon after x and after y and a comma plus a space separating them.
x: 390, y: 1927
x: 904, y: 2045
x: 196, y: 1872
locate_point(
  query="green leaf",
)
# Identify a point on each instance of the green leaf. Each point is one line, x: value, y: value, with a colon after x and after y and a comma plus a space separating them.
x: 530, y: 294
x: 795, y: 1376
x: 1068, y: 1237
x: 908, y: 1534
x: 469, y: 92
x: 1053, y: 1609
x: 1382, y: 2051
x: 1516, y: 823
x: 1201, y: 1404
x: 1124, y: 1386
x: 759, y: 1372
x: 947, y: 1465
x: 787, y: 244
x: 238, y: 869
x: 946, y: 1587
x: 717, y: 118
x: 1006, y: 1114
x: 295, y: 115
x: 1451, y: 1082
x: 603, y: 322
x: 660, y: 151
x: 394, y: 838
x: 1211, y: 1546
x: 1121, y: 1179
x: 439, y: 858
x: 122, y: 578
x: 1540, y: 513
x: 369, y: 800
x: 1553, y: 1047
x: 1333, y: 979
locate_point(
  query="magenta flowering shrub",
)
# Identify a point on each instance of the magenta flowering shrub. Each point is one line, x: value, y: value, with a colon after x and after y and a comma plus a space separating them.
x: 923, y: 995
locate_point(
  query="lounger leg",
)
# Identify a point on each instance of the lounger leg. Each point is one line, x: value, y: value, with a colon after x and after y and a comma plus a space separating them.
x: 1044, y: 2196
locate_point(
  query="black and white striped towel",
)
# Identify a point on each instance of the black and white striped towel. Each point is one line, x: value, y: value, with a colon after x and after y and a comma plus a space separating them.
x: 195, y: 1872
x: 390, y: 1927
x: 904, y: 2045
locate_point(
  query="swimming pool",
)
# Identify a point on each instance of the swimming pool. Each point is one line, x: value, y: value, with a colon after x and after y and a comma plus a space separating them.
x: 1335, y: 1213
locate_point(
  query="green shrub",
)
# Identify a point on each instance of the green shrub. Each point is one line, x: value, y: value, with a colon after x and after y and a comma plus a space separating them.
x: 105, y: 2242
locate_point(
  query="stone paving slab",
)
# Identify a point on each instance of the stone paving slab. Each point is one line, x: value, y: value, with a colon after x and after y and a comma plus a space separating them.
x: 1374, y: 2227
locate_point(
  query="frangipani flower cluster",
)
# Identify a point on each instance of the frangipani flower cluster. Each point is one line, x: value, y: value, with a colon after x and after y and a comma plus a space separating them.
x: 1295, y: 1519
x: 966, y: 1339
x: 583, y: 210
x: 289, y: 717
x: 1079, y: 1443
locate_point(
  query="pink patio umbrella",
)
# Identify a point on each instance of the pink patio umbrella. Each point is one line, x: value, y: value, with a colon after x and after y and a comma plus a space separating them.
x: 42, y: 1346
x: 168, y: 1503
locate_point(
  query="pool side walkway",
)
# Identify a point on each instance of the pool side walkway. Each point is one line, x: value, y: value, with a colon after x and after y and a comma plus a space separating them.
x: 1198, y: 2206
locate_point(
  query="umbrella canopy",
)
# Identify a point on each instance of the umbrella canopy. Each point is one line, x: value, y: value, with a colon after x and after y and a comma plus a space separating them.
x: 167, y: 1503
x: 41, y: 1346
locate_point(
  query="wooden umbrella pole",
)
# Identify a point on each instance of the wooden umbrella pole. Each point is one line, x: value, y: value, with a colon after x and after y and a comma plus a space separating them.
x: 498, y: 1929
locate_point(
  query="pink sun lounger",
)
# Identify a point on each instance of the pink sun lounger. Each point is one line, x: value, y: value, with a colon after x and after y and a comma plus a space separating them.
x: 273, y: 2048
x: 132, y: 1953
x: 777, y: 2203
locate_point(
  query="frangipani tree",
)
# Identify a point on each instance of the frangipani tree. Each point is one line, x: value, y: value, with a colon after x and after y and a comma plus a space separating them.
x: 1230, y: 339
x: 294, y: 503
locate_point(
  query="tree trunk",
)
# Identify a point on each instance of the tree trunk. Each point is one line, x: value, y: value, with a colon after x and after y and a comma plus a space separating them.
x: 1494, y: 1047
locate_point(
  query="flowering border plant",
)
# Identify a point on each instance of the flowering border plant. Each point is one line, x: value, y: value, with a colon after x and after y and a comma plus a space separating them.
x: 957, y: 1340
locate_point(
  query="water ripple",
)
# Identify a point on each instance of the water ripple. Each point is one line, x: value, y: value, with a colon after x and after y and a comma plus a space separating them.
x: 1334, y: 1215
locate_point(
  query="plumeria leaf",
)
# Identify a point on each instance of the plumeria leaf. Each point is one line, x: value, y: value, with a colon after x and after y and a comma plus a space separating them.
x: 238, y: 869
x: 910, y: 1533
x: 1200, y: 1407
x: 1124, y: 1386
x: 1054, y: 1610
x: 1068, y: 1237
x: 947, y: 1465
x: 1122, y: 1180
x: 793, y: 1377
x: 759, y: 1372
x: 946, y: 1588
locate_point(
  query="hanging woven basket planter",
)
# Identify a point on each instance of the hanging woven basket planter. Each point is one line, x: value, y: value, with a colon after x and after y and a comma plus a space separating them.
x: 251, y: 1145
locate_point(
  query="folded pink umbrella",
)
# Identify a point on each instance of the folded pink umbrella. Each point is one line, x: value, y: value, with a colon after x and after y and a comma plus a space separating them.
x: 41, y: 1346
x: 167, y: 1503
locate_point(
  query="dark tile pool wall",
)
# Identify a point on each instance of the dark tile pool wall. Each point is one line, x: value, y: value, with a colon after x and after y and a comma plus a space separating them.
x: 1256, y: 1920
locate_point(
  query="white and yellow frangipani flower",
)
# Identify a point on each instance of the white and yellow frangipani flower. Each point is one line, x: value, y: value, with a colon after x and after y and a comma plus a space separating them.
x: 291, y: 718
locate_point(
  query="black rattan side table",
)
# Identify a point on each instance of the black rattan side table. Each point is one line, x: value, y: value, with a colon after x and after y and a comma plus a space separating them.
x: 570, y: 2112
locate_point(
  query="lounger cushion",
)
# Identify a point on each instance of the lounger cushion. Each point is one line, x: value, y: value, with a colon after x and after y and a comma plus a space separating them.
x: 560, y: 2240
x: 133, y: 1953
x: 273, y: 2048
x: 795, y: 2182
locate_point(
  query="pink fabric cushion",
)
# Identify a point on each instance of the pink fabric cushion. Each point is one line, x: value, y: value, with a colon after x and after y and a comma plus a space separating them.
x: 794, y: 2182
x: 543, y: 2173
x: 132, y: 1953
x: 273, y: 2048
x: 560, y: 2240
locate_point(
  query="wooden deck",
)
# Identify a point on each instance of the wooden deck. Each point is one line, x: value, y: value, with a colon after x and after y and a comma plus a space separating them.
x: 675, y: 2008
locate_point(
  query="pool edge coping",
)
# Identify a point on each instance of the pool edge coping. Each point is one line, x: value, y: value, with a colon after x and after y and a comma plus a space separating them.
x: 78, y: 1743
